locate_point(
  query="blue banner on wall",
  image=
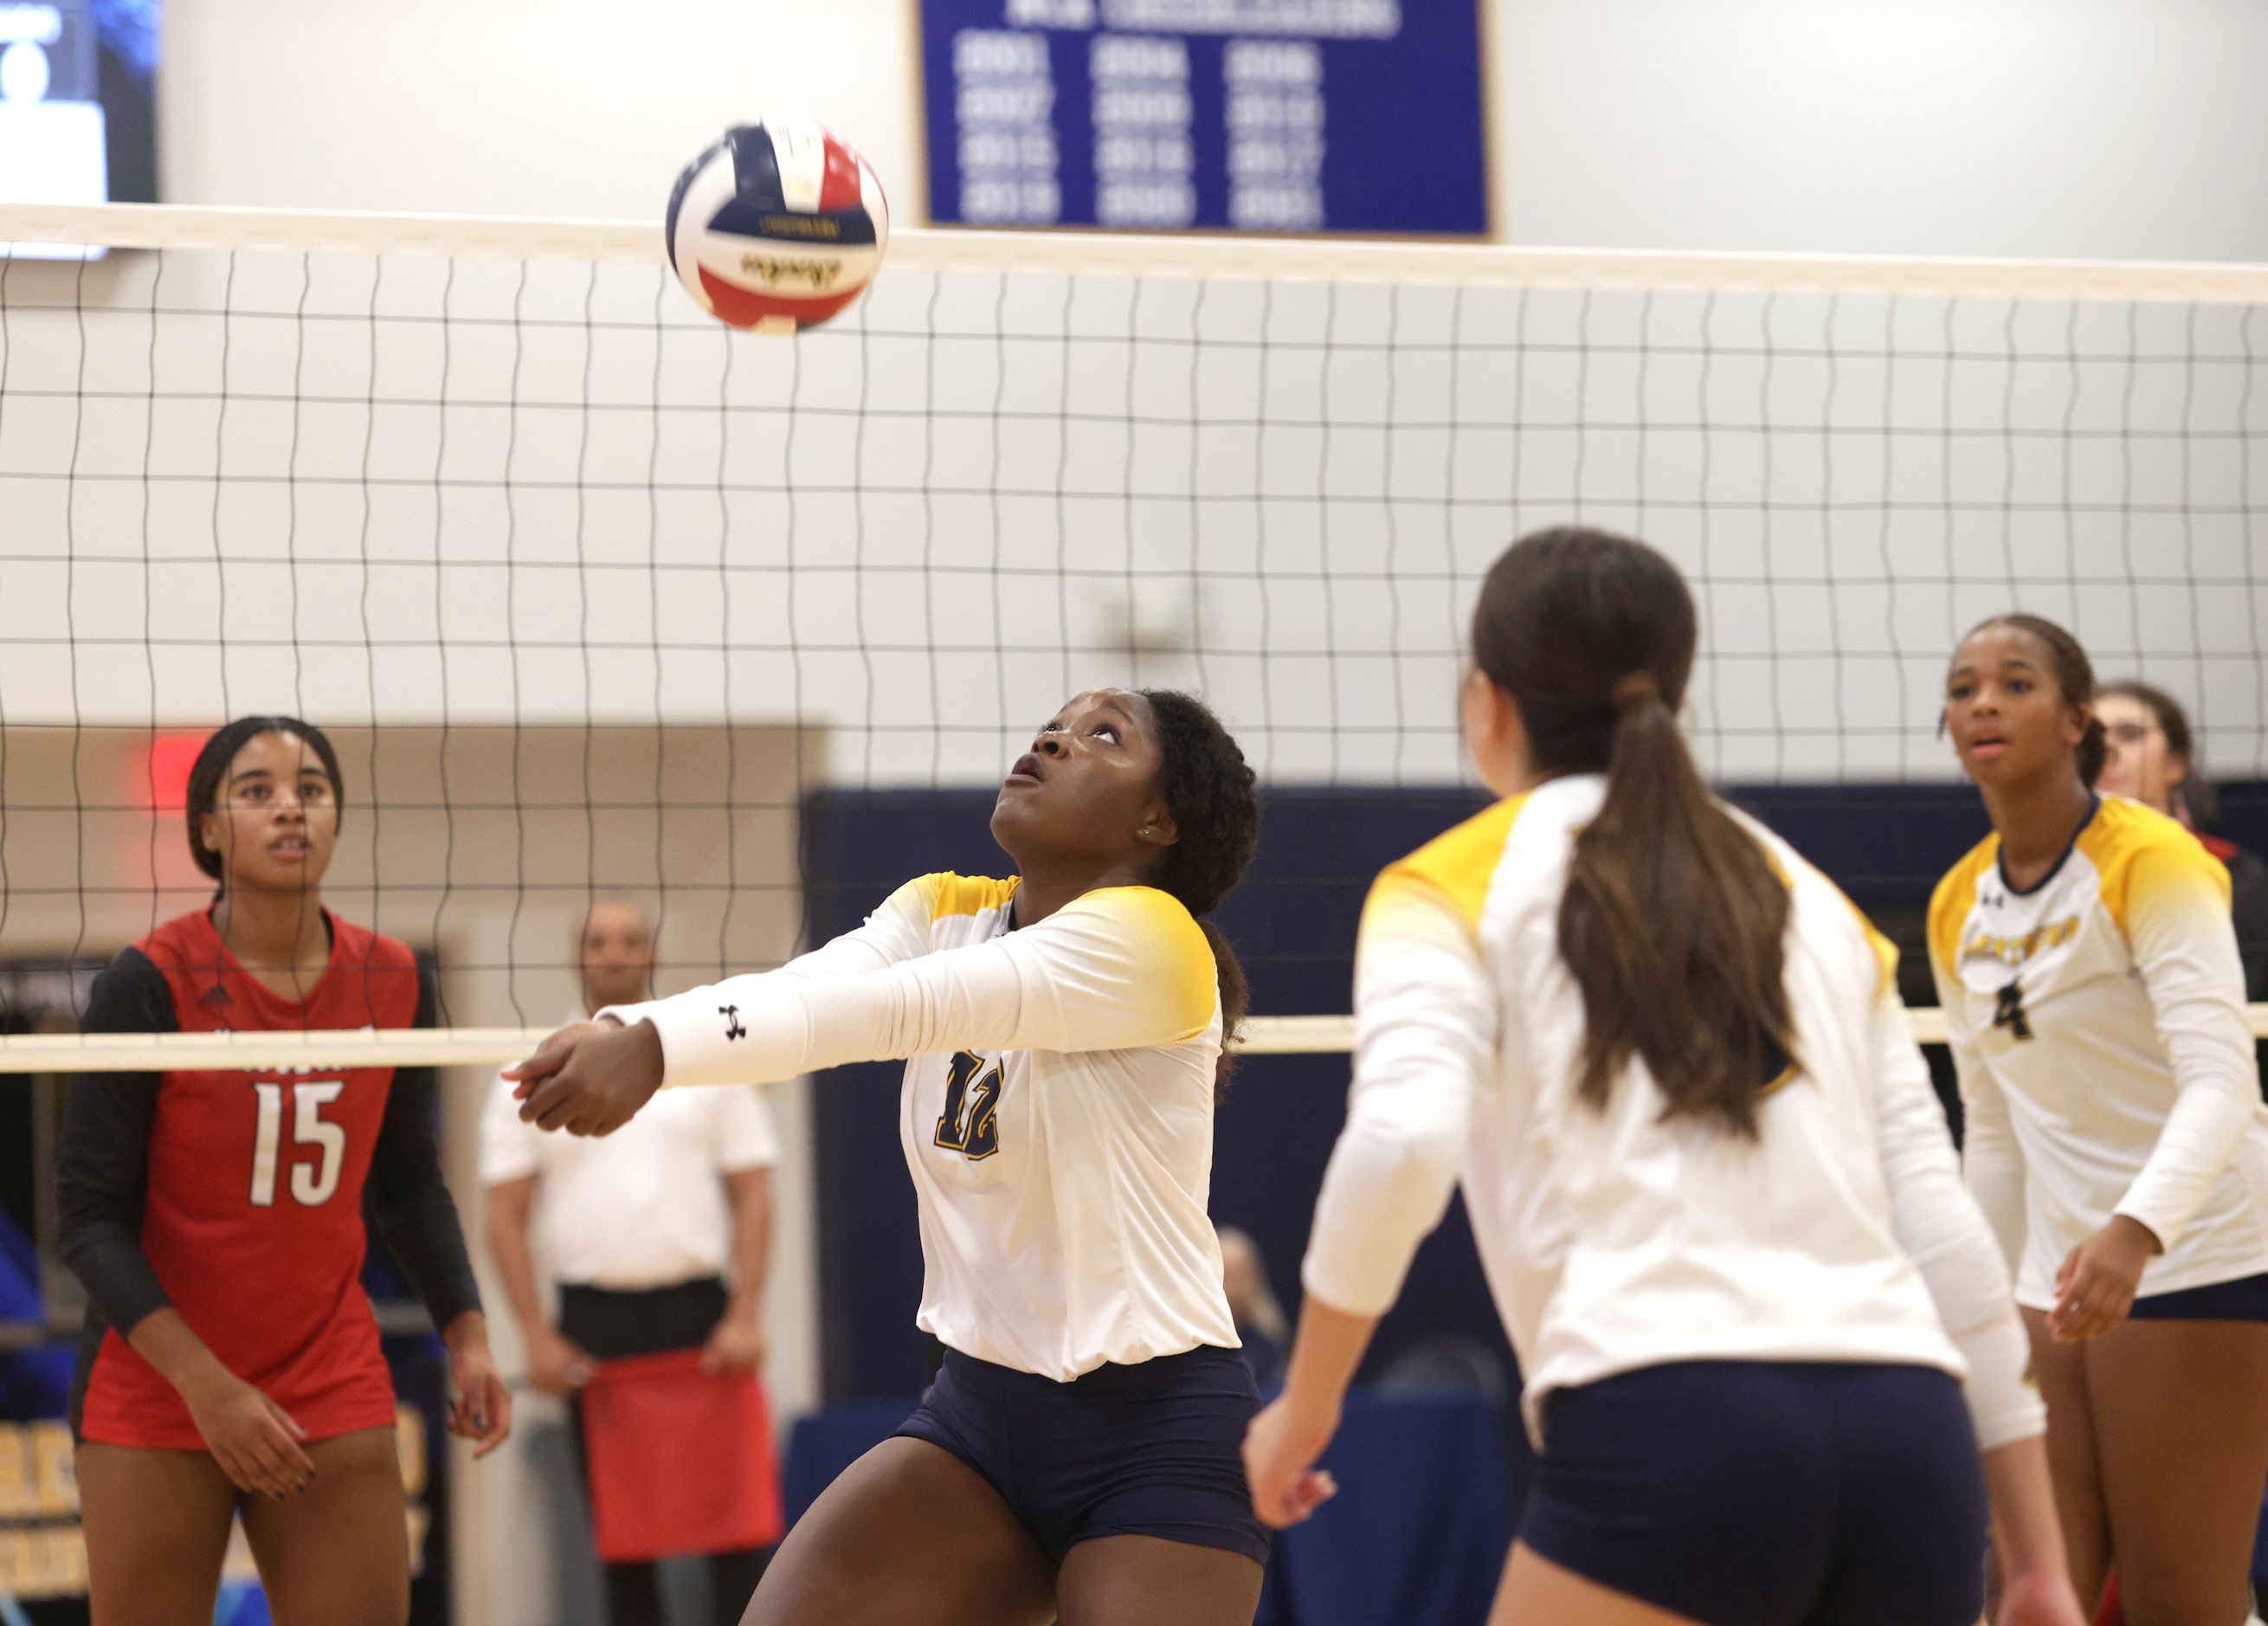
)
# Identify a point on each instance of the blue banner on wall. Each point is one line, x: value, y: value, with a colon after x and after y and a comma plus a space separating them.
x: 1254, y: 115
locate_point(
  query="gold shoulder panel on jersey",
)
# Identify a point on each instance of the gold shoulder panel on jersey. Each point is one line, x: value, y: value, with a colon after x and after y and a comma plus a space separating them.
x: 2131, y: 844
x: 1156, y: 927
x: 1955, y: 897
x: 959, y: 894
x: 1459, y: 864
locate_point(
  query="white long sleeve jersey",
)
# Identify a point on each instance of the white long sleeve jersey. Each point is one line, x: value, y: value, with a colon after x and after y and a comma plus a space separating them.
x: 1057, y: 1111
x: 1614, y: 1240
x: 2097, y: 1025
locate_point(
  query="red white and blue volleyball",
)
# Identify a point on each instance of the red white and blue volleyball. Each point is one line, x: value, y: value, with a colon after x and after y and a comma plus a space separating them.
x: 778, y: 227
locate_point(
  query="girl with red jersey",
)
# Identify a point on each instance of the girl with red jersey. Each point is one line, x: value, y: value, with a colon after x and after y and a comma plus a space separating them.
x: 231, y: 1363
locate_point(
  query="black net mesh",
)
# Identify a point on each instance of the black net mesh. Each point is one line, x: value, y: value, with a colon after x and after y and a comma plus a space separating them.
x: 598, y: 598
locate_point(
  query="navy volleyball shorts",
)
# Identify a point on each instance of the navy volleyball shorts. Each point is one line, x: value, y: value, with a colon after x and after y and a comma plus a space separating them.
x: 1154, y: 1449
x: 1753, y: 1493
x: 2244, y: 1299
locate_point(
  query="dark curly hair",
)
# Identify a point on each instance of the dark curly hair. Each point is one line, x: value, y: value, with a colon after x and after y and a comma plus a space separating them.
x: 212, y: 767
x: 1211, y: 792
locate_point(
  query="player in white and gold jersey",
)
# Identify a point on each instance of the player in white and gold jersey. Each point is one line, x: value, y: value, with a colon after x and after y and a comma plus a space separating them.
x: 1065, y: 1030
x: 2095, y: 998
x: 1713, y: 1193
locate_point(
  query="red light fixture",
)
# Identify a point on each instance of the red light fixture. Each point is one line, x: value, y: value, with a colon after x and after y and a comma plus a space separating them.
x: 171, y: 757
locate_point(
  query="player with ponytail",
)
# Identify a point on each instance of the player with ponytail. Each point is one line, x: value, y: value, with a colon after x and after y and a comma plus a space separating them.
x: 1712, y: 1189
x: 2094, y: 998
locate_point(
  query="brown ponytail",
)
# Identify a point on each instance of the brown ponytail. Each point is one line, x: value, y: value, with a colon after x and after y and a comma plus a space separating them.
x: 1673, y: 920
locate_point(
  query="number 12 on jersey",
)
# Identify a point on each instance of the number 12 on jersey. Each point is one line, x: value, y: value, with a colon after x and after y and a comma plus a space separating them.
x: 979, y: 1136
x: 311, y: 1184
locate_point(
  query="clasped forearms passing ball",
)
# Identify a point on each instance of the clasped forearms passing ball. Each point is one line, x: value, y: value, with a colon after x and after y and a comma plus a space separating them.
x: 590, y: 1078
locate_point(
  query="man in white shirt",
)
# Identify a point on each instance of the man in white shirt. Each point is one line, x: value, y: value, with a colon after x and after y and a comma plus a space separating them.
x: 657, y: 1235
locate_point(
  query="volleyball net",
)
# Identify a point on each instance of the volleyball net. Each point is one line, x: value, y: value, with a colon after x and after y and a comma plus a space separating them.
x: 598, y: 598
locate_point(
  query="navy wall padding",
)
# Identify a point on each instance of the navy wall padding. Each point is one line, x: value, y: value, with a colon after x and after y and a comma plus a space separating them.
x: 36, y: 1382
x: 20, y: 1274
x: 1293, y: 923
x: 2244, y: 814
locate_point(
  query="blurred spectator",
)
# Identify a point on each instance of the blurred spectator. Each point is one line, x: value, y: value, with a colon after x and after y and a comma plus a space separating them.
x: 1259, y: 1318
x: 2153, y: 758
x: 639, y: 1231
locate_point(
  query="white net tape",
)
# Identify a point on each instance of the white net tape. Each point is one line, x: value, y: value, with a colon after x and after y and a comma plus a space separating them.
x: 116, y: 1053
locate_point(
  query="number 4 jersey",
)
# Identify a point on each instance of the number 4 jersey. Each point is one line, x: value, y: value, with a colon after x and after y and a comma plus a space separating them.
x: 237, y: 1197
x: 2097, y: 1025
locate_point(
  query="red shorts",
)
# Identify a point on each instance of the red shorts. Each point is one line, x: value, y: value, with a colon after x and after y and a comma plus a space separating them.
x: 337, y: 1383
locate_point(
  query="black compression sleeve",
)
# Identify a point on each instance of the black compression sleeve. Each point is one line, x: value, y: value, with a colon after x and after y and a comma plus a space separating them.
x: 406, y: 1197
x: 102, y: 1164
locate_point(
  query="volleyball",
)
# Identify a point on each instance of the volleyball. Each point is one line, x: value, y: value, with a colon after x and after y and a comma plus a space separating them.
x: 777, y: 225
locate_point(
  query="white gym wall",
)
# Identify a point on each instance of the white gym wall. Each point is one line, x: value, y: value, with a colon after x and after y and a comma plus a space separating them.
x: 2061, y: 129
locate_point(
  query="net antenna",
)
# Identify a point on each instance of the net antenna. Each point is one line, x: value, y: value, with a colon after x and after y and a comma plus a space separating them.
x: 594, y: 595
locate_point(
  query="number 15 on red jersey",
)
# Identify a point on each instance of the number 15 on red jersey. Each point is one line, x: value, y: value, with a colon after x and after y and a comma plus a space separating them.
x: 313, y: 1183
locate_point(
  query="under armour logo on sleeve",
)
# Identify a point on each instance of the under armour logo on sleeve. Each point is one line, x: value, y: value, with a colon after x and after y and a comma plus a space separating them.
x: 732, y: 1028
